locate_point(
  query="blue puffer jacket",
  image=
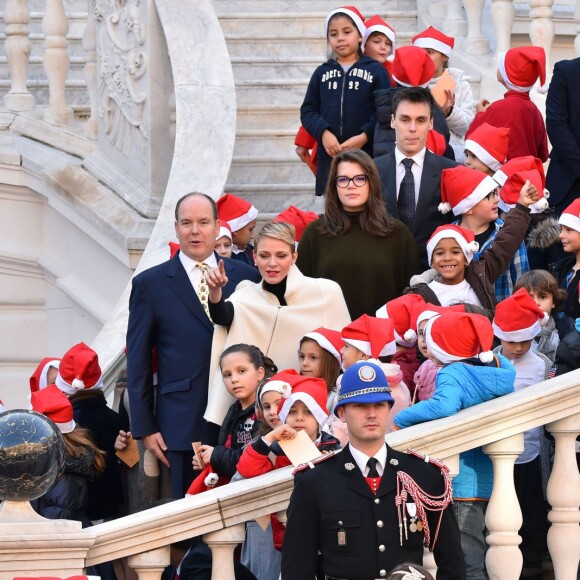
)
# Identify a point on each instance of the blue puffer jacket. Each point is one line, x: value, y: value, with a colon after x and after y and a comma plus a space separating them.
x: 459, y: 386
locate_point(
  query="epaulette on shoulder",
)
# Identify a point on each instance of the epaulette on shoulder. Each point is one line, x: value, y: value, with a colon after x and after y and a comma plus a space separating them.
x: 312, y: 464
x: 427, y: 459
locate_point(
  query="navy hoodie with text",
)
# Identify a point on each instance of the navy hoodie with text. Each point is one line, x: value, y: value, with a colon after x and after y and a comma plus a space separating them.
x: 343, y: 103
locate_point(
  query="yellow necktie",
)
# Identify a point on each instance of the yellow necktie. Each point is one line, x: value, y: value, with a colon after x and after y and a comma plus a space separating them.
x: 203, y: 289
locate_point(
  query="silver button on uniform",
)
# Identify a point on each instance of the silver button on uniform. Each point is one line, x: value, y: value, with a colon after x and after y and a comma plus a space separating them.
x: 380, y: 524
x: 383, y: 573
x: 377, y: 501
x: 382, y: 548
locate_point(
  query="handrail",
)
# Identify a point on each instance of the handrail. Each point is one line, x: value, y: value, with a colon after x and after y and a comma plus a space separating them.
x: 238, y: 502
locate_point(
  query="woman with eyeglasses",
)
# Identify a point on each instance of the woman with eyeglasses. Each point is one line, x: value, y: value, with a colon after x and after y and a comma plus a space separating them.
x: 355, y: 242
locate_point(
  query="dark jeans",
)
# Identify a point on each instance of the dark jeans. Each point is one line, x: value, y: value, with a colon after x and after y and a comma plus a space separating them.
x: 471, y: 519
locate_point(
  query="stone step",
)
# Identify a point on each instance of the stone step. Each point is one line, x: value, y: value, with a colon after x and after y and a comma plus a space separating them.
x: 287, y: 44
x: 287, y: 92
x: 275, y: 197
x: 268, y: 116
x: 310, y: 23
x: 367, y: 7
x: 269, y: 169
x: 265, y: 142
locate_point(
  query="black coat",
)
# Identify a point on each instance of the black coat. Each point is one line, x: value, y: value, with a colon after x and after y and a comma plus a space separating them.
x: 568, y: 353
x: 106, y: 491
x: 572, y: 304
x: 332, y: 498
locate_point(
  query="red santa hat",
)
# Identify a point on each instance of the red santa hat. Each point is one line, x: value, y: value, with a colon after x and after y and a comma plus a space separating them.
x: 524, y: 163
x: 298, y: 218
x: 425, y: 311
x: 374, y: 337
x: 54, y: 404
x: 465, y: 239
x: 462, y: 188
x: 571, y: 216
x: 521, y: 67
x: 173, y: 249
x: 353, y: 13
x: 412, y: 67
x: 518, y: 318
x: 510, y: 192
x: 434, y: 39
x: 312, y: 392
x: 400, y: 312
x: 237, y: 212
x: 377, y: 24
x: 435, y: 142
x: 281, y: 383
x: 225, y: 231
x: 329, y: 340
x: 39, y: 378
x: 489, y: 144
x: 79, y: 369
x: 455, y: 336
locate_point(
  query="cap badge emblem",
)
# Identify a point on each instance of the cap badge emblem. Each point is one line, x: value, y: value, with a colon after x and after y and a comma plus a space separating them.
x: 367, y: 374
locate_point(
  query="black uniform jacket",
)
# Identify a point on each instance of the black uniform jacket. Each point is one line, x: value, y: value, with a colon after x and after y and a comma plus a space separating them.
x: 333, y: 511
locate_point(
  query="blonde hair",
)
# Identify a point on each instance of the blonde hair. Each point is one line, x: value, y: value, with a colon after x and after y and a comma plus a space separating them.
x: 278, y: 231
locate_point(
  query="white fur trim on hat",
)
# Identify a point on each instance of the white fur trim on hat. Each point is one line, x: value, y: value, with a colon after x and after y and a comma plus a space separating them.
x: 410, y: 337
x: 321, y: 415
x: 241, y: 222
x: 224, y: 233
x: 281, y: 387
x: 433, y: 44
x: 211, y: 479
x: 382, y: 312
x: 365, y: 347
x: 72, y: 389
x: 518, y: 335
x: 485, y: 157
x: 500, y: 177
x: 409, y: 85
x: 43, y: 379
x: 570, y: 221
x: 485, y: 356
x: 389, y: 33
x: 504, y: 76
x: 67, y: 427
x: 355, y: 18
x: 484, y: 188
x: 426, y: 315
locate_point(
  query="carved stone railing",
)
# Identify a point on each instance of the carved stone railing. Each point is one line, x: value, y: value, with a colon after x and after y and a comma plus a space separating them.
x: 218, y: 514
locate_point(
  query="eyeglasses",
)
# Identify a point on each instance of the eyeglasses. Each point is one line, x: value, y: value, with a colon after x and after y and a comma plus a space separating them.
x: 343, y: 181
x: 492, y: 195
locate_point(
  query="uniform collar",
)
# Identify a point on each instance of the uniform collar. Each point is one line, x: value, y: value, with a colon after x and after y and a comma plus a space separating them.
x: 361, y: 459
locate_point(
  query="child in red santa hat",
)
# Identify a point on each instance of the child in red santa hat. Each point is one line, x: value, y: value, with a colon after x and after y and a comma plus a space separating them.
x: 518, y: 70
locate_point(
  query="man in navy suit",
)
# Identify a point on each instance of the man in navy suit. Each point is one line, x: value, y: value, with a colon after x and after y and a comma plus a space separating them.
x: 165, y: 311
x: 412, y: 118
x: 563, y: 125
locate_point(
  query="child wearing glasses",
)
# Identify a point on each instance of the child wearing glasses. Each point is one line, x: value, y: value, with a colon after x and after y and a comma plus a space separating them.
x: 451, y: 249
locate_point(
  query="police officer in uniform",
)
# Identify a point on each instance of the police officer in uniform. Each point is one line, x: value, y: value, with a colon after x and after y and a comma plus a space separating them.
x: 361, y: 512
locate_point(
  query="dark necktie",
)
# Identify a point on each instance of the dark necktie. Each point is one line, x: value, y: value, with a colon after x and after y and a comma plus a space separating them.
x: 406, y: 200
x: 372, y: 465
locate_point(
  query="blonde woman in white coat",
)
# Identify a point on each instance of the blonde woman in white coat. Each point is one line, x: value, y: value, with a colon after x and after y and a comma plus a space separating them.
x: 273, y: 314
x: 459, y: 108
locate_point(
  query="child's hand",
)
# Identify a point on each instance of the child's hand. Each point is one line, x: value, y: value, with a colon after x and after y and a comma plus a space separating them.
x: 282, y: 433
x: 356, y: 142
x: 330, y: 143
x: 449, y: 102
x: 482, y: 106
x: 204, y: 452
x: 122, y: 440
x: 528, y: 194
x: 303, y: 153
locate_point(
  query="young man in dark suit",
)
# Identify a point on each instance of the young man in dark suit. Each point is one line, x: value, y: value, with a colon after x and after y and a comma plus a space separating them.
x: 411, y: 174
x: 350, y: 508
x: 563, y: 126
x: 166, y: 311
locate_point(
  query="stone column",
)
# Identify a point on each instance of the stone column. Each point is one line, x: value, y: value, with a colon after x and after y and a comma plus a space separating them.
x: 17, y: 49
x: 475, y: 42
x: 504, y: 518
x: 577, y: 21
x: 90, y: 47
x: 564, y: 497
x: 454, y: 23
x: 222, y: 545
x: 542, y: 26
x: 502, y: 14
x: 150, y: 565
x: 56, y: 62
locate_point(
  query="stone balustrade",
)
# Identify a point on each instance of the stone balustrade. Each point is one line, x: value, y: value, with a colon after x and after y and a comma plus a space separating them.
x: 219, y: 514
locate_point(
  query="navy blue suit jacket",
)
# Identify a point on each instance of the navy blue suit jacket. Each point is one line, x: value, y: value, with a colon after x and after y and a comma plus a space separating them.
x: 427, y: 215
x: 165, y: 312
x: 563, y: 125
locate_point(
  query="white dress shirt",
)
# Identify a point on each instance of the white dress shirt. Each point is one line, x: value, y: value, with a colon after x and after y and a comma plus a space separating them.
x: 194, y: 273
x: 416, y: 169
x: 361, y: 459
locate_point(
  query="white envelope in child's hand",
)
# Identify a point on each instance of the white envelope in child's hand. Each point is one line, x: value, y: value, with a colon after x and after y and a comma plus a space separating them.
x: 299, y: 450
